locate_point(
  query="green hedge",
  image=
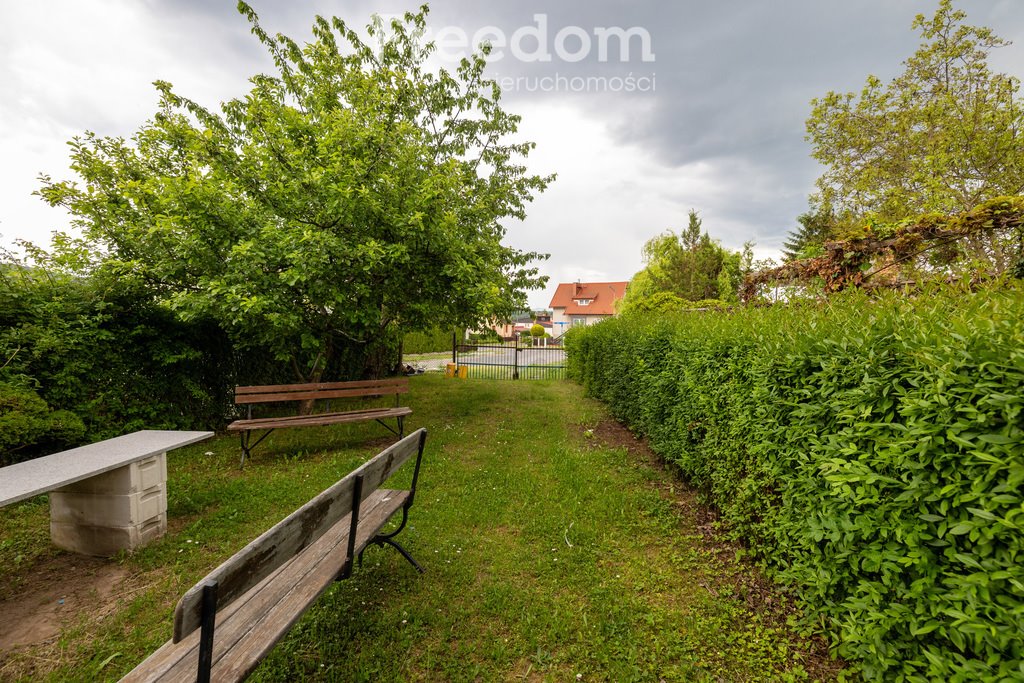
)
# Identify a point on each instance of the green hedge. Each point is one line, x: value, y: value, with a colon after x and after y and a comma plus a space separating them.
x: 107, y: 352
x: 438, y: 339
x: 28, y: 425
x: 870, y: 453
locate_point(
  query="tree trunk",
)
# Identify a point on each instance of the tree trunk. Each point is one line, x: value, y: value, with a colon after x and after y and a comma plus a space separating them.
x: 316, y: 374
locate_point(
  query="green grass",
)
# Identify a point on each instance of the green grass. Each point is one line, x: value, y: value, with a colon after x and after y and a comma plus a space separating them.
x: 548, y: 557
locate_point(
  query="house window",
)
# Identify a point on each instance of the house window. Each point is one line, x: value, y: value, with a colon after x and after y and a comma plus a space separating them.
x: 578, y: 320
x: 583, y: 302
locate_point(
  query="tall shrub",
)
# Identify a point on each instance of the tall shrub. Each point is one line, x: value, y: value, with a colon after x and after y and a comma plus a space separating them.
x: 870, y: 452
x: 106, y: 351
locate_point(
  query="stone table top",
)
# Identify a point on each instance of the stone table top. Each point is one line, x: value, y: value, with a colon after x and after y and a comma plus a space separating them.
x: 32, y: 477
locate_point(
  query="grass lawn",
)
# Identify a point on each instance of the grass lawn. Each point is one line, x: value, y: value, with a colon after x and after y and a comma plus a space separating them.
x: 555, y: 550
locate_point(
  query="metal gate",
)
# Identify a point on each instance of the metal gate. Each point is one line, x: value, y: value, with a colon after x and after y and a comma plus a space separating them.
x: 511, y: 360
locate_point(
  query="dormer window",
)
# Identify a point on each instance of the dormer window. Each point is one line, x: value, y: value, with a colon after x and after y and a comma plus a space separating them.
x: 583, y: 302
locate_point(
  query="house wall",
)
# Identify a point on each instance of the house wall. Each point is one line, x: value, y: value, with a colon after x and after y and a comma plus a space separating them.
x: 560, y: 321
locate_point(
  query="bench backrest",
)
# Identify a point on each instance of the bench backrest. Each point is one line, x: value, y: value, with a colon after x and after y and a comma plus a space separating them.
x: 290, y: 536
x: 324, y: 390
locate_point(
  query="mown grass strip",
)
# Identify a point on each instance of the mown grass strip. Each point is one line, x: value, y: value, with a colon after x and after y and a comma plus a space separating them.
x: 549, y: 556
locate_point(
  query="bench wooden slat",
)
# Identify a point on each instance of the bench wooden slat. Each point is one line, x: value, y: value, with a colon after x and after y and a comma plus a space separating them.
x: 320, y: 394
x: 261, y: 557
x: 250, y: 627
x: 317, y: 386
x: 318, y: 419
x: 250, y: 395
x: 241, y: 660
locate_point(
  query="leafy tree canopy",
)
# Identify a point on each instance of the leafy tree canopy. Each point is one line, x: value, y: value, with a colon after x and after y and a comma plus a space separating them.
x: 943, y: 136
x: 352, y: 194
x: 686, y: 267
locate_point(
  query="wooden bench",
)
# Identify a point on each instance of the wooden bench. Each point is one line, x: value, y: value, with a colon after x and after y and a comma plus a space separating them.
x: 105, y: 497
x: 249, y: 396
x: 229, y: 621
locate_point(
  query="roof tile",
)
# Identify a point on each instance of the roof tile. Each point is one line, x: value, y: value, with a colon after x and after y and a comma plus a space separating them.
x: 602, y: 295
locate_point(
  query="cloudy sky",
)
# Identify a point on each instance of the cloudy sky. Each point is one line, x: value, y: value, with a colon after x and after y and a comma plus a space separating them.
x: 705, y: 110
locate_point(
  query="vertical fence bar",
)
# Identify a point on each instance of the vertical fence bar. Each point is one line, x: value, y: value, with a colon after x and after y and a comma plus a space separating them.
x: 515, y: 360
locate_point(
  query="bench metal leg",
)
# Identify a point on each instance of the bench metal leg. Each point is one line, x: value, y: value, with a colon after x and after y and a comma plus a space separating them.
x: 385, y: 425
x: 381, y: 540
x: 247, y: 446
x: 389, y: 539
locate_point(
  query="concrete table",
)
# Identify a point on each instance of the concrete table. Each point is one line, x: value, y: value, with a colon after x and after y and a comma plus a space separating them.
x: 104, y: 497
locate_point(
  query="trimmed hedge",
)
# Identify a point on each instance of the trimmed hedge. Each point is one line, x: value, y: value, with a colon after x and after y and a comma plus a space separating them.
x: 870, y: 452
x: 438, y: 339
x: 107, y: 352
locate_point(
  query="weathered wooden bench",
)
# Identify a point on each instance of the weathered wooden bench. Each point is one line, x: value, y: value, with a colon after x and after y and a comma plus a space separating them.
x: 105, y: 497
x: 229, y: 621
x: 249, y: 396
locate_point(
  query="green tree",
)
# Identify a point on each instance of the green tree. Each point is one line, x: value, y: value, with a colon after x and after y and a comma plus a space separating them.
x: 817, y: 225
x: 686, y: 264
x: 350, y: 197
x: 942, y: 137
x: 689, y: 266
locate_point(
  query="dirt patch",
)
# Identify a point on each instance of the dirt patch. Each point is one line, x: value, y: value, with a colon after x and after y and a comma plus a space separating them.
x: 58, y: 593
x: 739, y: 578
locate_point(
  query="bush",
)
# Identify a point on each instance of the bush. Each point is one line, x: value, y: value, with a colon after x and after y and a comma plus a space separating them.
x: 105, y: 351
x: 487, y: 336
x: 430, y: 342
x: 870, y: 452
x: 29, y: 428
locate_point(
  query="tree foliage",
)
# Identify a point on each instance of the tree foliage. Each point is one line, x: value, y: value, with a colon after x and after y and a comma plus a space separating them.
x: 943, y: 136
x: 817, y: 225
x: 349, y: 197
x: 686, y: 267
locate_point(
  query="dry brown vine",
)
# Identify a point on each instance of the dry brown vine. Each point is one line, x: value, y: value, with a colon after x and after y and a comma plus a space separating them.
x: 874, y: 260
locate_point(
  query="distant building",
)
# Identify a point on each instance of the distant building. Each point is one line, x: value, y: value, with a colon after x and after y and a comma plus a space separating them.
x: 523, y: 321
x: 584, y: 303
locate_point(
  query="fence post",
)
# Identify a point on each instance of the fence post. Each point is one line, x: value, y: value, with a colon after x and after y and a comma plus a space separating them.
x: 455, y: 346
x: 515, y: 360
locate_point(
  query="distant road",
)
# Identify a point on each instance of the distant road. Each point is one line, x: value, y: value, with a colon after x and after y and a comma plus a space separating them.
x: 495, y: 356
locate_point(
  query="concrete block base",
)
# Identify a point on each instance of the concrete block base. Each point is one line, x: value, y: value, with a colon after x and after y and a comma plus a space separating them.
x: 107, y: 510
x: 104, y: 541
x: 119, y: 510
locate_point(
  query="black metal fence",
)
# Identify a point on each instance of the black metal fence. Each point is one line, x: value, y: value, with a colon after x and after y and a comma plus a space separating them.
x: 512, y: 360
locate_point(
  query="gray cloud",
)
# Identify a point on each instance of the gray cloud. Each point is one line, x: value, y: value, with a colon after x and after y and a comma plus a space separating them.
x: 723, y: 132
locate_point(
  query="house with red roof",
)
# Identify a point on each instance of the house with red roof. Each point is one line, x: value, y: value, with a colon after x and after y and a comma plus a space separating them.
x: 584, y: 303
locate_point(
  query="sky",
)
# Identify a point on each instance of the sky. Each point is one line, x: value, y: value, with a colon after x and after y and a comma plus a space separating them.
x: 704, y: 108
